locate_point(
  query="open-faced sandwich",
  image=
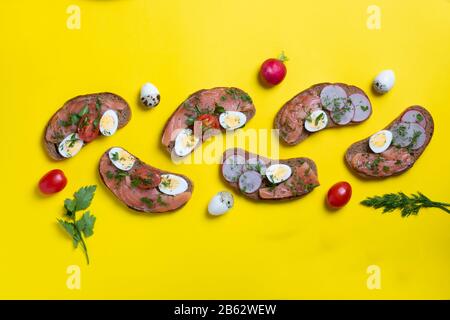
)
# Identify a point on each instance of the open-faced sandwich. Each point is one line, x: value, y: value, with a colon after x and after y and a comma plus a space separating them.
x: 394, y: 149
x: 261, y: 178
x: 204, y: 114
x: 321, y: 106
x: 82, y: 119
x: 141, y: 186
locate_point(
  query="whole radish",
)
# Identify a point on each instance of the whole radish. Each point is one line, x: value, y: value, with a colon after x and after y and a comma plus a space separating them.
x: 273, y: 70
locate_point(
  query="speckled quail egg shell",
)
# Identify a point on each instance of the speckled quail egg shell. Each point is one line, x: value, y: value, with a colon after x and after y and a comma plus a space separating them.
x: 220, y: 203
x: 384, y: 81
x: 150, y: 96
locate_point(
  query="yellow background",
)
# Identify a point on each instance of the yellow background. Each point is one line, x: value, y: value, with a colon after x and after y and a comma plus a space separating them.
x: 288, y: 250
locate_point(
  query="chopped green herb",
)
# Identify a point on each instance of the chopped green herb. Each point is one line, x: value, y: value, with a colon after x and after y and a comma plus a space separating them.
x: 135, y: 182
x: 147, y: 201
x: 83, y: 111
x: 246, y: 98
x: 161, y: 201
x: 98, y: 104
x: 115, y: 156
x: 401, y: 130
x: 386, y: 169
x: 419, y: 117
x: 165, y: 182
x: 414, y: 139
x: 364, y: 108
x: 219, y: 109
x: 320, y: 117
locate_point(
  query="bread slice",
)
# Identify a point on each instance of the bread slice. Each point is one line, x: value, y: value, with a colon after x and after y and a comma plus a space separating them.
x: 297, y: 102
x: 362, y: 147
x: 74, y: 105
x: 294, y: 180
x: 132, y: 196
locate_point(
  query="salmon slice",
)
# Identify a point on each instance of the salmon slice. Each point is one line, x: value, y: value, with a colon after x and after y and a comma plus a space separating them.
x: 392, y: 161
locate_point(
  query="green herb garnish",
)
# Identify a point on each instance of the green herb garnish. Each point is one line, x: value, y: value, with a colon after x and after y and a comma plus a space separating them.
x: 161, y: 201
x: 109, y: 175
x: 219, y: 109
x: 98, y: 105
x: 83, y: 227
x: 409, y: 205
x: 147, y: 201
x: 320, y: 117
x: 115, y: 156
x: 135, y: 182
x: 414, y: 139
x: 419, y: 117
x: 83, y: 111
x: 364, y: 108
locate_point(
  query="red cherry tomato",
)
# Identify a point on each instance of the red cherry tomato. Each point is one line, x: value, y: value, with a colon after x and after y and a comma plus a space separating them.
x: 273, y: 71
x: 208, y: 120
x: 52, y: 182
x: 144, y: 178
x: 88, y: 129
x: 339, y: 194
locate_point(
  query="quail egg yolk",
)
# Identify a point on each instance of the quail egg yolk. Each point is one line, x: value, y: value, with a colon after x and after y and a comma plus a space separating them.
x: 279, y: 173
x: 170, y: 184
x: 379, y: 140
x: 189, y: 141
x: 232, y: 120
x: 126, y: 159
x: 107, y: 123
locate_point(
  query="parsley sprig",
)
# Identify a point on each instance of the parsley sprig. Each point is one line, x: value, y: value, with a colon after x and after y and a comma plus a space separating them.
x: 84, y: 226
x: 409, y: 205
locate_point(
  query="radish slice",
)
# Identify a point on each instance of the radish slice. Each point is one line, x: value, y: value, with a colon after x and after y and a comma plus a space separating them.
x: 333, y: 96
x: 233, y: 167
x: 419, y: 136
x: 343, y: 115
x: 250, y: 181
x: 402, y: 134
x: 414, y: 116
x: 362, y: 107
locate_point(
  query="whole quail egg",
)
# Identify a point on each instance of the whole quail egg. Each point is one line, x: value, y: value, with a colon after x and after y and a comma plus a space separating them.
x: 220, y: 203
x: 384, y: 81
x: 150, y: 95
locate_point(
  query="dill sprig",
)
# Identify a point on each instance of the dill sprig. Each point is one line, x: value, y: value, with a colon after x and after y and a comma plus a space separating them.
x: 409, y: 205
